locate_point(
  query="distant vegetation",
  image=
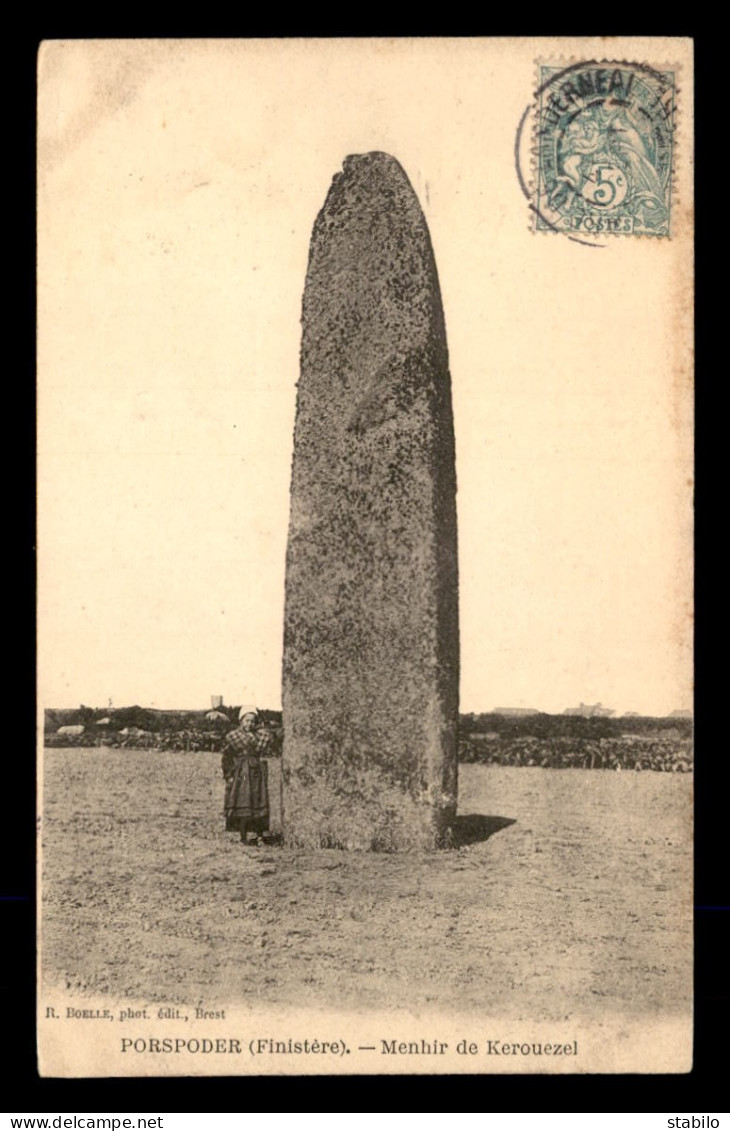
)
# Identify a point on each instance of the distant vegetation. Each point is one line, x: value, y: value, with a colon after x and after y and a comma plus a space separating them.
x: 563, y: 741
x: 149, y: 729
x: 571, y: 726
x: 557, y: 741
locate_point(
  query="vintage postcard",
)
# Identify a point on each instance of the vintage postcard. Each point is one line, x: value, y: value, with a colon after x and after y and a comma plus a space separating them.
x: 365, y: 478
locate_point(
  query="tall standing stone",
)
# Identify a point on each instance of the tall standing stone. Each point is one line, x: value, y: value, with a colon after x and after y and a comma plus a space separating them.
x: 371, y: 646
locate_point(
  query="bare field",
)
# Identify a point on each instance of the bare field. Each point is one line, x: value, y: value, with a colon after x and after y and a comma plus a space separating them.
x: 581, y: 905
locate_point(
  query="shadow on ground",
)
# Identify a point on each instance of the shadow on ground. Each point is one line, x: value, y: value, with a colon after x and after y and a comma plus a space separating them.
x: 471, y: 828
x: 474, y: 827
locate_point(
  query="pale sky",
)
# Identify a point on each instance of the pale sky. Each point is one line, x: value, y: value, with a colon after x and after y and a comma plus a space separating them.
x: 178, y: 186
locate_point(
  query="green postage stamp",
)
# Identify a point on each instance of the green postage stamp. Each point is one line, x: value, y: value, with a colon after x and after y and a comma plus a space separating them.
x: 605, y: 135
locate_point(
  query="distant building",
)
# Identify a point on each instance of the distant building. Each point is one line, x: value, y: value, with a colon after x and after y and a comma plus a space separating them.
x: 680, y: 715
x: 216, y: 702
x: 631, y: 715
x: 515, y: 711
x: 590, y: 711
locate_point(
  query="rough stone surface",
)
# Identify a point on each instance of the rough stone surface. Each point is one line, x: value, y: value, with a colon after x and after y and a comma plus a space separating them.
x: 371, y: 648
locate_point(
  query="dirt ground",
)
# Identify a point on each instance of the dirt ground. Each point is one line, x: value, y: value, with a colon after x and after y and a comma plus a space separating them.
x: 571, y: 894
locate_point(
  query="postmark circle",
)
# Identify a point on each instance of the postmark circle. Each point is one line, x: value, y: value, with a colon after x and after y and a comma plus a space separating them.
x: 603, y: 150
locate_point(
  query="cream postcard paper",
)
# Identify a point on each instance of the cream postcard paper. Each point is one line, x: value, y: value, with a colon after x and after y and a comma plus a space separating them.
x: 179, y: 184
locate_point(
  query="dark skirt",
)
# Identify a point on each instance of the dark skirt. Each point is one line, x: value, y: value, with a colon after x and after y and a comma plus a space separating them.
x: 247, y: 796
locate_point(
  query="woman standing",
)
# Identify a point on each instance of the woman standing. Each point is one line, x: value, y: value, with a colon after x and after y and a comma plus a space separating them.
x: 246, y: 775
